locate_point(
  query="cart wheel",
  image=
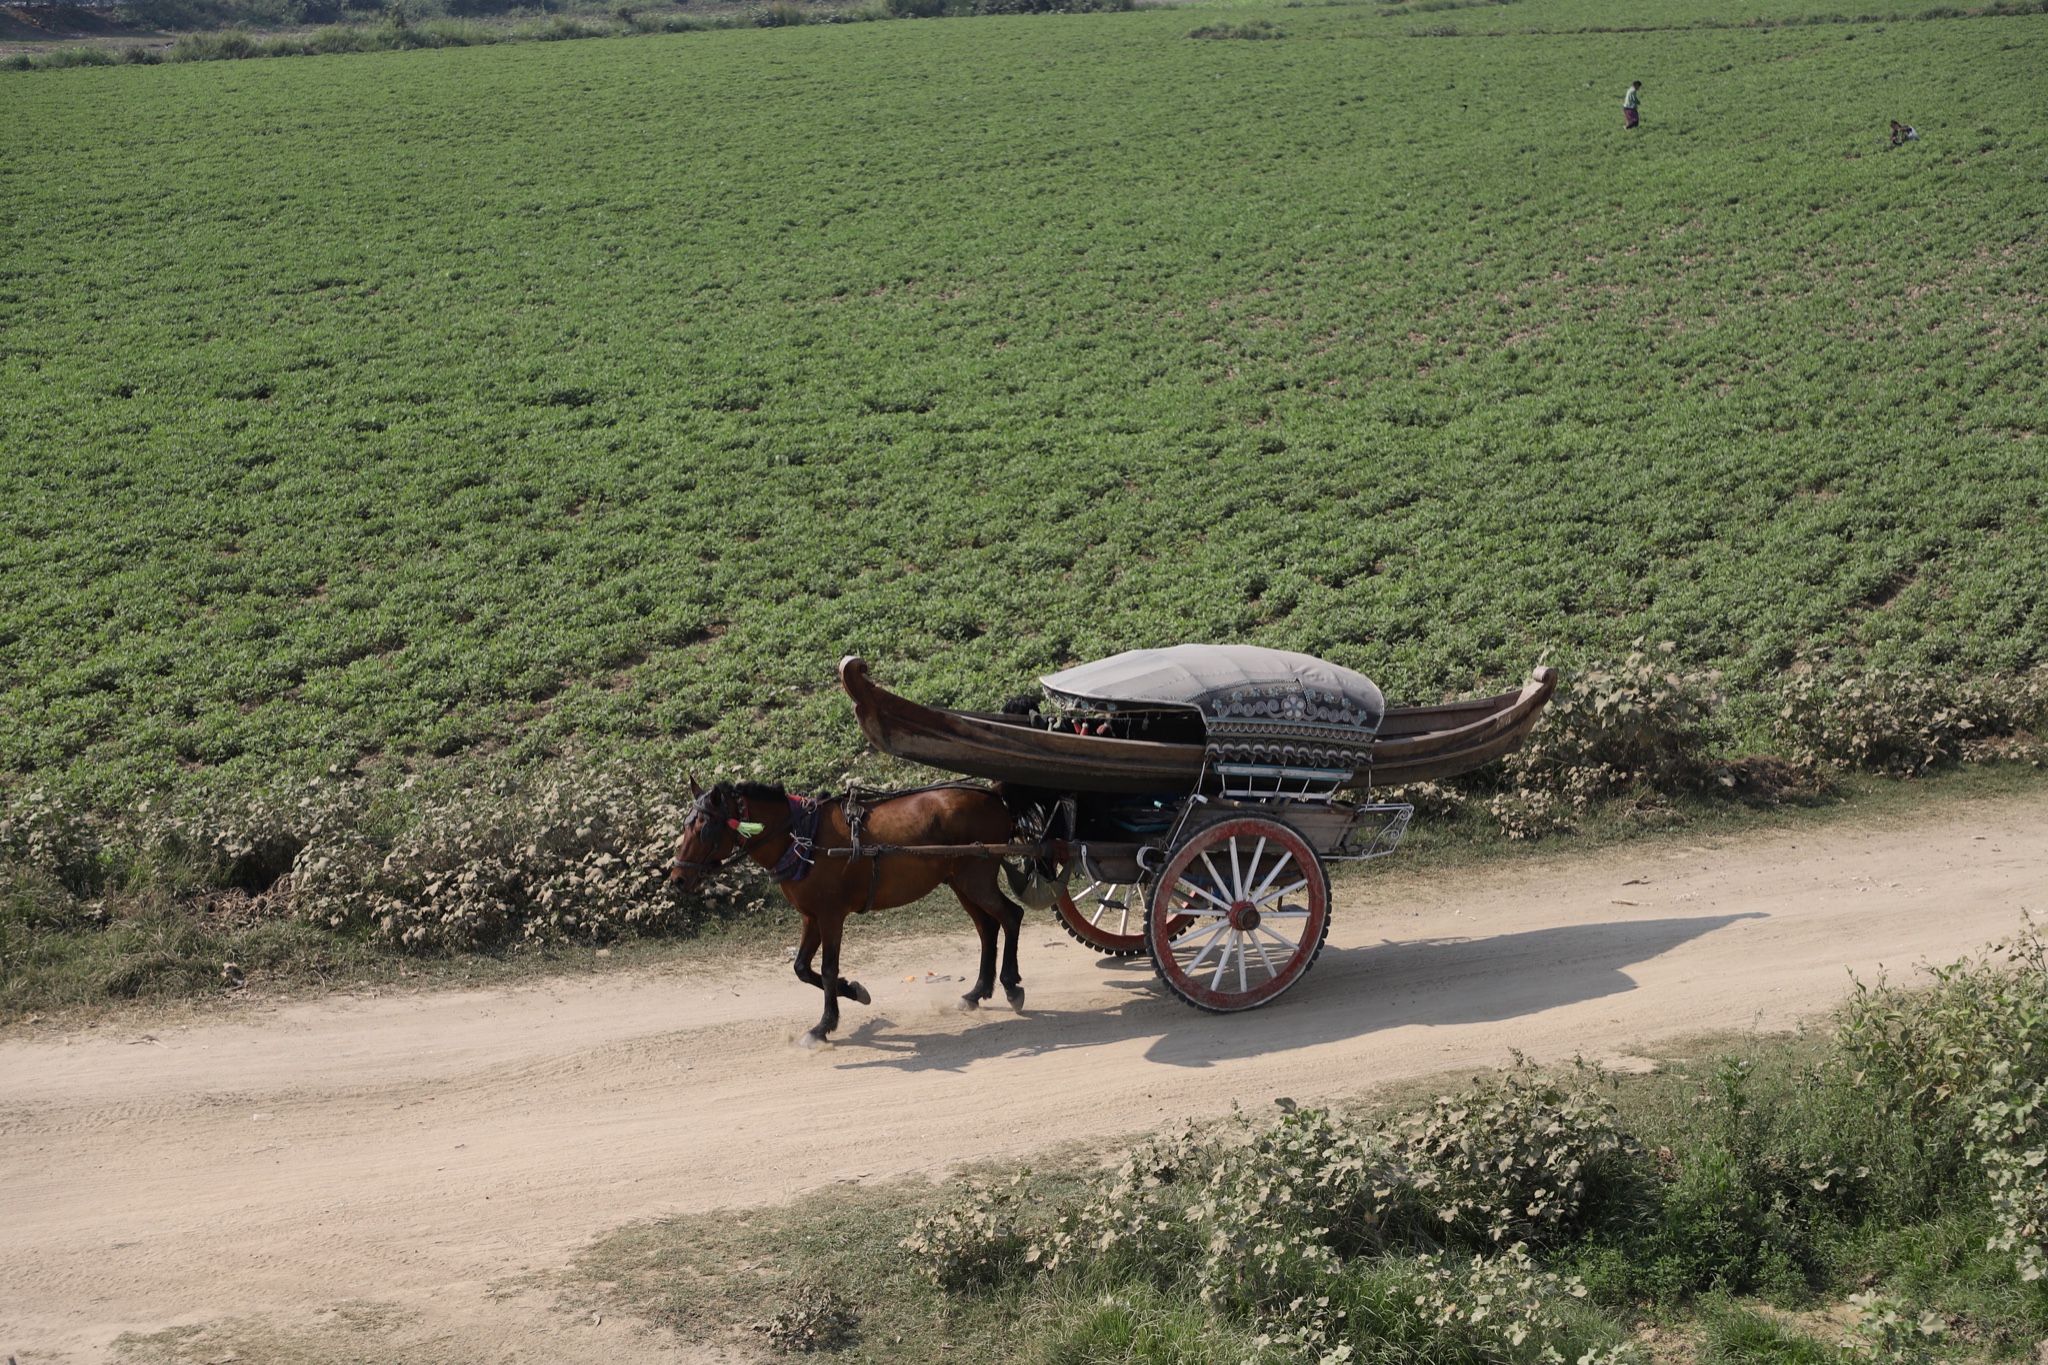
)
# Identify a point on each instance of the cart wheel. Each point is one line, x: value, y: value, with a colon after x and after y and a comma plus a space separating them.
x: 1106, y: 916
x: 1239, y: 915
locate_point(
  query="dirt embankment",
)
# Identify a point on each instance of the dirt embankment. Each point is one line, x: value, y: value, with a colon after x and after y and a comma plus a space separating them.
x: 393, y: 1178
x: 47, y: 24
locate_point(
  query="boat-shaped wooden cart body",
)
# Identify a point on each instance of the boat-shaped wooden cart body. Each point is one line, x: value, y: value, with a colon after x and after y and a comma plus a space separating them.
x: 1184, y: 803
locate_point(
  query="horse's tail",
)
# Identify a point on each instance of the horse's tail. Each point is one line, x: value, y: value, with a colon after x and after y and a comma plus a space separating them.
x: 1023, y: 802
x: 1035, y: 813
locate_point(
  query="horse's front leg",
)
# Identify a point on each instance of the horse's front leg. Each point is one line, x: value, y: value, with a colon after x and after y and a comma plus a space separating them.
x: 807, y: 950
x: 830, y: 932
x: 853, y: 990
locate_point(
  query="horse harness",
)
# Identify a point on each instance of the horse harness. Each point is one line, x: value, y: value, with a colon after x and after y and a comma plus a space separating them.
x: 801, y: 825
x: 796, y: 860
x: 805, y: 814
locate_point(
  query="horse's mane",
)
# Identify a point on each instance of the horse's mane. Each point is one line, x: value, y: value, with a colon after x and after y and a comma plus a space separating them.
x: 757, y: 791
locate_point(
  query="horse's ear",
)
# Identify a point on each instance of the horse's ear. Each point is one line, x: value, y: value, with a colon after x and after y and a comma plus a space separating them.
x: 696, y: 792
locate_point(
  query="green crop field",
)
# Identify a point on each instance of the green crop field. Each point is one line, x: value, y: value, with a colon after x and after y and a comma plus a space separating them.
x: 580, y: 396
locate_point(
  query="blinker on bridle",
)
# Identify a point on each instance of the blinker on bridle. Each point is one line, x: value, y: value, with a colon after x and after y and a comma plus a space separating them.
x: 749, y: 831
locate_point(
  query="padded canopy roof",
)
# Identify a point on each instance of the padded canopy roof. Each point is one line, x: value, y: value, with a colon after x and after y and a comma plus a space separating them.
x: 1228, y: 684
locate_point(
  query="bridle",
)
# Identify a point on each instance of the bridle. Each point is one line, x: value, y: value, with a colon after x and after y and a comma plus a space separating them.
x: 703, y: 816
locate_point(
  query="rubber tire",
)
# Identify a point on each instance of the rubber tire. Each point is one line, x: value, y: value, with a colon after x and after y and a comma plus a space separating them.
x: 1091, y: 936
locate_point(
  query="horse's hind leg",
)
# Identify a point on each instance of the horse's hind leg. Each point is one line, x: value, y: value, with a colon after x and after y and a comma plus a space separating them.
x: 984, y: 982
x: 1013, y: 928
x: 993, y: 912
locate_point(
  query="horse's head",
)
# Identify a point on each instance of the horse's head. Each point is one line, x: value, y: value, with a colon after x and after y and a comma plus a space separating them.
x: 717, y: 831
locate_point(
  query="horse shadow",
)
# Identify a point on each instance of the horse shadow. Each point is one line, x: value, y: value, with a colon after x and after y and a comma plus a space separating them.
x: 1351, y: 992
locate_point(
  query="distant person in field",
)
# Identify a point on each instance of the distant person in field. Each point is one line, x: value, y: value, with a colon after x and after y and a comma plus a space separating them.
x: 1632, y: 106
x: 1903, y: 133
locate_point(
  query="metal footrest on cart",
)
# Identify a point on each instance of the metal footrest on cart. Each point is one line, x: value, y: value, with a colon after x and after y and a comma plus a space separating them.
x: 1346, y: 833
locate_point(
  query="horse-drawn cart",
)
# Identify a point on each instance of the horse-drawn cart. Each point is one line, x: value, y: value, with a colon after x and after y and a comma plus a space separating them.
x: 1195, y: 796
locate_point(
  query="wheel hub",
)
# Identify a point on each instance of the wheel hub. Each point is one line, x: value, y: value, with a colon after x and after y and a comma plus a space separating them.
x: 1244, y: 916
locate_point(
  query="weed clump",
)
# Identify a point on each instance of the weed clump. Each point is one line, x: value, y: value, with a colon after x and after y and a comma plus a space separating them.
x: 1250, y: 28
x: 813, y: 1319
x: 579, y: 856
x: 1627, y: 736
x: 1512, y: 1221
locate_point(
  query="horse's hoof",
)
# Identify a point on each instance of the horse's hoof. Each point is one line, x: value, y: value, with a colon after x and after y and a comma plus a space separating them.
x: 1015, y: 995
x: 811, y: 1039
x: 860, y: 993
x: 968, y: 1004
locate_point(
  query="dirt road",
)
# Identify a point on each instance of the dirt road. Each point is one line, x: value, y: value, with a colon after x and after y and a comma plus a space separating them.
x: 383, y: 1174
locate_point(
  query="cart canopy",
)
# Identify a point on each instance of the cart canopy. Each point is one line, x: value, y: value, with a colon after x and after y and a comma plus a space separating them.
x: 1257, y: 705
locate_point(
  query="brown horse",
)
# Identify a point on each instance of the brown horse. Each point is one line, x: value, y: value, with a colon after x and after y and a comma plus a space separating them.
x: 763, y: 823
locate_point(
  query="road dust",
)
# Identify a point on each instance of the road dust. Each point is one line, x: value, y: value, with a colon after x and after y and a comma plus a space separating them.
x: 398, y: 1178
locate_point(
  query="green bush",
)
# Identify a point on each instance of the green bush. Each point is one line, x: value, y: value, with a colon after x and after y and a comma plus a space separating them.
x: 1906, y: 723
x: 1612, y: 727
x: 76, y: 56
x: 579, y: 856
x: 561, y: 28
x: 1310, y: 1229
x: 212, y: 47
x: 1495, y: 1224
x: 782, y: 14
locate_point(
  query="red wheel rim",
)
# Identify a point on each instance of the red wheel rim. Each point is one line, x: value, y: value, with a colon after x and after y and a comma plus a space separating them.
x: 1239, y: 915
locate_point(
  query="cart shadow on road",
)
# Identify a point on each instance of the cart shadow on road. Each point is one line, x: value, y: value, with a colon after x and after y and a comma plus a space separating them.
x: 1436, y: 982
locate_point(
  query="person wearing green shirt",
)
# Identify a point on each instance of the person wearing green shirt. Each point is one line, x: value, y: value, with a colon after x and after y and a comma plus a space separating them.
x: 1631, y: 106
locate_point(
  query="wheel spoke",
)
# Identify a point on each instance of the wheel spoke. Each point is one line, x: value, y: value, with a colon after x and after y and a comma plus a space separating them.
x: 1243, y: 960
x: 1236, y: 874
x: 1289, y: 944
x: 1224, y: 961
x: 1283, y: 891
x: 1215, y: 877
x: 1286, y: 857
x: 1223, y: 906
x: 1215, y: 938
x: 1270, y: 973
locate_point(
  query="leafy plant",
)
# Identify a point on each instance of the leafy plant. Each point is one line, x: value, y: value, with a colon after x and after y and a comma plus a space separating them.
x: 813, y: 1319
